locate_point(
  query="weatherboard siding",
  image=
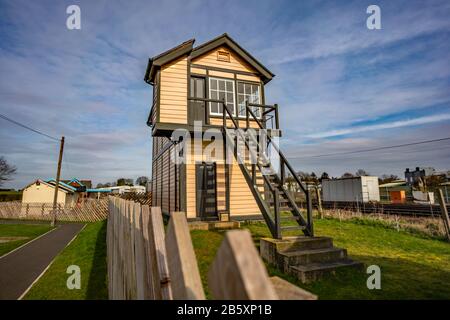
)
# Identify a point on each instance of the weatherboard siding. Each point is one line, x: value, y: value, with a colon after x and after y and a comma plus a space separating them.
x: 173, y: 92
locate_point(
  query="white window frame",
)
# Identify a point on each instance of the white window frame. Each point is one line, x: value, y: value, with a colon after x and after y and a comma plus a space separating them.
x: 260, y: 98
x: 217, y: 90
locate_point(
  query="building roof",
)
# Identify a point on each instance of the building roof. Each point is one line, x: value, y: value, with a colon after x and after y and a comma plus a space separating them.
x: 81, y: 183
x: 62, y: 187
x: 395, y: 183
x: 186, y: 48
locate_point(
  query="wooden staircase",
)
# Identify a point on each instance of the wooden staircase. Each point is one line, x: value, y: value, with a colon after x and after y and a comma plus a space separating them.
x: 266, y: 182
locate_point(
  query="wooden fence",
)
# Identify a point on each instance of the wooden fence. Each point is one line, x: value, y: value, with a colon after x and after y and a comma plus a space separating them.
x: 145, y: 261
x: 89, y: 211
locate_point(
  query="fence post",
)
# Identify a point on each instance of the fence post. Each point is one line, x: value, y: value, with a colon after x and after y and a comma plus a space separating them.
x: 185, y: 277
x: 319, y: 202
x: 158, y: 256
x: 238, y: 272
x: 444, y: 214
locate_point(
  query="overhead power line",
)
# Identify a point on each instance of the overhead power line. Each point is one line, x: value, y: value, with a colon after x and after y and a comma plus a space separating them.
x: 27, y: 127
x: 372, y: 149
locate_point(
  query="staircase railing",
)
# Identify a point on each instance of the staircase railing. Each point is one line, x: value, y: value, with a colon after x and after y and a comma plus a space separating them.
x: 284, y: 164
x: 271, y: 194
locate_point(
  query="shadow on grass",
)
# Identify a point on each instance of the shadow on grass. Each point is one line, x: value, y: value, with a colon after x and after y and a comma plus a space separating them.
x: 400, y: 279
x: 97, y: 284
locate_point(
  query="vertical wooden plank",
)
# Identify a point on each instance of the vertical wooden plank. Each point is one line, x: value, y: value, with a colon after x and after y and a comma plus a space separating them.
x: 158, y: 256
x: 147, y: 256
x: 444, y: 214
x: 238, y: 272
x: 132, y: 254
x: 140, y: 263
x: 183, y: 268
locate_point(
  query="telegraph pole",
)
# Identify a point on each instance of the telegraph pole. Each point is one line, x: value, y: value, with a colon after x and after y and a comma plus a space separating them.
x: 58, y: 174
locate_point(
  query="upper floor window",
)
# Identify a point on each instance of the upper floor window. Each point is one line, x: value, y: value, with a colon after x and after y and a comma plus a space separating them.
x: 221, y: 89
x: 248, y: 92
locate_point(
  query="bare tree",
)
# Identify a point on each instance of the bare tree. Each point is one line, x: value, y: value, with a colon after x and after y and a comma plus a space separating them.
x: 361, y: 173
x: 6, y: 171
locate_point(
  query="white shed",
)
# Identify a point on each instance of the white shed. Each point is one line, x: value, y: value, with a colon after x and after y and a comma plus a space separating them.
x: 362, y: 189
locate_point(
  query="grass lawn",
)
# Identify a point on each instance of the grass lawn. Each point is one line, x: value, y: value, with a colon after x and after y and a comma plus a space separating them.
x: 412, y: 267
x: 88, y: 251
x: 19, y: 230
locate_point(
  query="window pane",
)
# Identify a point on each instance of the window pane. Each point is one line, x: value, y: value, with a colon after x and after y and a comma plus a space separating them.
x: 248, y: 88
x: 214, y: 107
x: 200, y: 93
x: 240, y: 87
x: 192, y: 87
x: 221, y: 95
x: 213, y: 94
x: 255, y: 91
x: 230, y: 97
x: 221, y: 85
x: 213, y: 84
x: 229, y: 86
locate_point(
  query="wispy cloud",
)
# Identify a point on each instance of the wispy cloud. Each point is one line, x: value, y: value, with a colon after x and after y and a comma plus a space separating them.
x: 388, y: 125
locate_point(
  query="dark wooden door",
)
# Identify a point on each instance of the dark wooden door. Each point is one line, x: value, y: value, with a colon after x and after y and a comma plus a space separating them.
x: 197, y: 109
x: 206, y: 190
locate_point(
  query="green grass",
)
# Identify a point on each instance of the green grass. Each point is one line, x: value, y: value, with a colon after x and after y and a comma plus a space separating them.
x: 88, y: 251
x: 412, y: 267
x: 19, y: 230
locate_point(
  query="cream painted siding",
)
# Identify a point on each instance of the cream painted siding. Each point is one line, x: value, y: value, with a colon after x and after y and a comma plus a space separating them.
x: 43, y: 194
x: 242, y: 201
x: 173, y: 92
x: 236, y: 63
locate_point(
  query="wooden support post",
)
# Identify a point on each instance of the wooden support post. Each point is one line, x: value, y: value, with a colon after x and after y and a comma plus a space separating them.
x: 247, y: 115
x: 319, y: 202
x: 444, y: 214
x: 58, y: 174
x: 309, y: 212
x: 237, y: 272
x: 277, y: 121
x: 276, y: 205
x: 183, y: 268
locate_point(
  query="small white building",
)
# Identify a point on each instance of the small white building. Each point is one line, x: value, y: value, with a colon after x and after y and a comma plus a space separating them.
x: 125, y: 189
x: 43, y: 192
x: 361, y: 189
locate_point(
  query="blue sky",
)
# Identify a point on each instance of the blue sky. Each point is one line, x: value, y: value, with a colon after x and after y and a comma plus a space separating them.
x: 340, y: 86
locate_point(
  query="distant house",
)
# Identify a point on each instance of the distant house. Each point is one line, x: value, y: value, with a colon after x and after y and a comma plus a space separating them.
x: 41, y: 191
x: 413, y: 177
x: 70, y: 191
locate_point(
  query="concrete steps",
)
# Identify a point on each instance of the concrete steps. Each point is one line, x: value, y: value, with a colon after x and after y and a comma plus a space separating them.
x: 307, y: 258
x: 315, y: 271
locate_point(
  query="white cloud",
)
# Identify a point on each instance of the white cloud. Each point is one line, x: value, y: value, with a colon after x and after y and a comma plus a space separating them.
x: 388, y: 125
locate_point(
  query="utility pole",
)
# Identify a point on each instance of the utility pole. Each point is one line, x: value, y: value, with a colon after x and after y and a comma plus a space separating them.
x: 58, y: 174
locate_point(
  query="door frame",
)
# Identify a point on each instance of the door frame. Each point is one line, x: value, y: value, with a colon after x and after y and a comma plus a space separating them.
x: 200, y: 195
x: 191, y: 102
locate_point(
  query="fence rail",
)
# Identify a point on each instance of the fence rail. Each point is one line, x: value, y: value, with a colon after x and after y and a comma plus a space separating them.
x: 89, y: 211
x: 147, y: 261
x: 419, y: 210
